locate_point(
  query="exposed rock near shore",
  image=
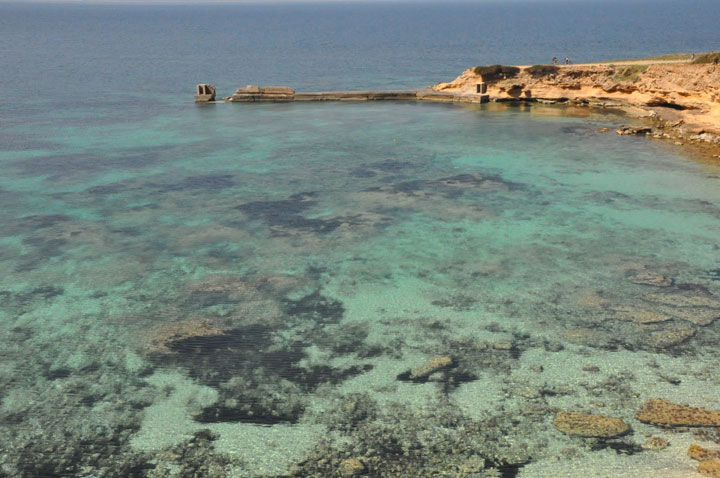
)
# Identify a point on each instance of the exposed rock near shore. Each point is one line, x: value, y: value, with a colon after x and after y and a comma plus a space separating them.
x: 682, y: 100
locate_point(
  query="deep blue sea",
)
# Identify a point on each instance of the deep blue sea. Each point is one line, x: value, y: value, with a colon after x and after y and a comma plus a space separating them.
x: 344, y: 289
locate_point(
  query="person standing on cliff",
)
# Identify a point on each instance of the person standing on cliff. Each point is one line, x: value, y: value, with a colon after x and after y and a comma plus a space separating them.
x: 554, y: 60
x: 567, y: 60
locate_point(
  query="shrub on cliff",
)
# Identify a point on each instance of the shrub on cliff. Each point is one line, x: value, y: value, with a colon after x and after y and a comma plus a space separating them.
x: 630, y: 73
x: 708, y: 58
x: 496, y: 72
x: 540, y: 71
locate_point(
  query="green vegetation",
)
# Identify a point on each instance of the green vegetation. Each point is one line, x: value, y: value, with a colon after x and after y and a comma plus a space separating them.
x: 629, y: 73
x: 713, y: 57
x: 496, y: 72
x: 540, y: 71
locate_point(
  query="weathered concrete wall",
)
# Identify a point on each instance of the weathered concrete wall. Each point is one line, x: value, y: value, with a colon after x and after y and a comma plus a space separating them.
x: 268, y: 93
x: 281, y: 93
x: 204, y: 93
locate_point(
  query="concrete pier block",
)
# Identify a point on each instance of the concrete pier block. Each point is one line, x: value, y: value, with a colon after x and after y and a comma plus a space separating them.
x: 204, y: 93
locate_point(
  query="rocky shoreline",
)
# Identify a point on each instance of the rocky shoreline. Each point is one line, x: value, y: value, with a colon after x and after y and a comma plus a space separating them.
x: 678, y: 102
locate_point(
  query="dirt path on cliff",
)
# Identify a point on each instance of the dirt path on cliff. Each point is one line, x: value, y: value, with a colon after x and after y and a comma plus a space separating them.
x: 622, y: 63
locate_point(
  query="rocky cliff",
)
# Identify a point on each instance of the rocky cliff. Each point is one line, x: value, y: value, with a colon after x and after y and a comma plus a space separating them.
x: 682, y: 95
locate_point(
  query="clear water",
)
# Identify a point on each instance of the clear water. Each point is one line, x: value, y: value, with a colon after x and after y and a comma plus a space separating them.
x: 241, y: 290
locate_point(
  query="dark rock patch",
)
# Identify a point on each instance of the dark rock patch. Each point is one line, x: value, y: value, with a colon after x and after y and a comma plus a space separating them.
x: 457, y: 302
x: 478, y: 180
x: 260, y: 377
x: 713, y: 274
x: 45, y: 247
x: 208, y: 182
x: 450, y: 187
x: 286, y: 215
x: 667, y: 104
x: 620, y: 447
x: 576, y: 130
x: 273, y: 211
x: 315, y: 308
x: 107, y: 189
x: 47, y: 292
x: 58, y: 373
x: 43, y: 221
x: 363, y: 173
x: 451, y: 376
x: 626, y: 130
x: 508, y: 470
x: 70, y: 165
x: 128, y: 231
x: 391, y: 166
x: 216, y: 414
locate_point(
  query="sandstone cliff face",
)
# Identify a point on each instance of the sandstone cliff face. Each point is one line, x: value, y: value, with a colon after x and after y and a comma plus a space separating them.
x: 690, y: 92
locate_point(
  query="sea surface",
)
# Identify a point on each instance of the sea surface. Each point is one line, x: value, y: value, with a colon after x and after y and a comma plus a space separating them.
x: 342, y: 289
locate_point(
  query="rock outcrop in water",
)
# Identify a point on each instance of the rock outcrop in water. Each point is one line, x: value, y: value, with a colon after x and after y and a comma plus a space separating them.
x: 585, y: 425
x: 661, y: 412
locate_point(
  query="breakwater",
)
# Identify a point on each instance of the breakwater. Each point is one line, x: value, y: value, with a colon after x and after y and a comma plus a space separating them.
x: 285, y: 94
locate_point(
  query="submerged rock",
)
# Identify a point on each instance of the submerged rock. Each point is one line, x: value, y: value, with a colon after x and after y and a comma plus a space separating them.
x: 630, y: 314
x: 587, y: 336
x: 647, y: 278
x: 352, y: 467
x: 655, y: 443
x: 433, y: 365
x: 626, y: 130
x: 670, y: 337
x: 586, y: 425
x: 661, y: 412
x: 701, y: 316
x: 698, y: 307
x: 683, y: 300
x: 709, y: 468
x: 696, y: 452
x: 162, y: 339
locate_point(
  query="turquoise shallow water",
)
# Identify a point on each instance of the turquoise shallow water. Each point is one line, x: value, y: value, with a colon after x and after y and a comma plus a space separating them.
x: 322, y: 290
x: 241, y: 290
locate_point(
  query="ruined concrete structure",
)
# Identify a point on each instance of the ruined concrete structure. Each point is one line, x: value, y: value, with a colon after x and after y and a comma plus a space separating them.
x: 268, y: 93
x: 205, y: 93
x: 283, y: 93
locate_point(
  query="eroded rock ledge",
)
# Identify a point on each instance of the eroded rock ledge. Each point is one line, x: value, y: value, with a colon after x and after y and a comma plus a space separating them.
x: 680, y: 101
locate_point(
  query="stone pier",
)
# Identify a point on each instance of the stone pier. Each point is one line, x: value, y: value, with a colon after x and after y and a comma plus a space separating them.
x: 285, y: 94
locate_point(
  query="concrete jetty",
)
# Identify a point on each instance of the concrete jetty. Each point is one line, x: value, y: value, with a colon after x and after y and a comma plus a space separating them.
x: 285, y: 94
